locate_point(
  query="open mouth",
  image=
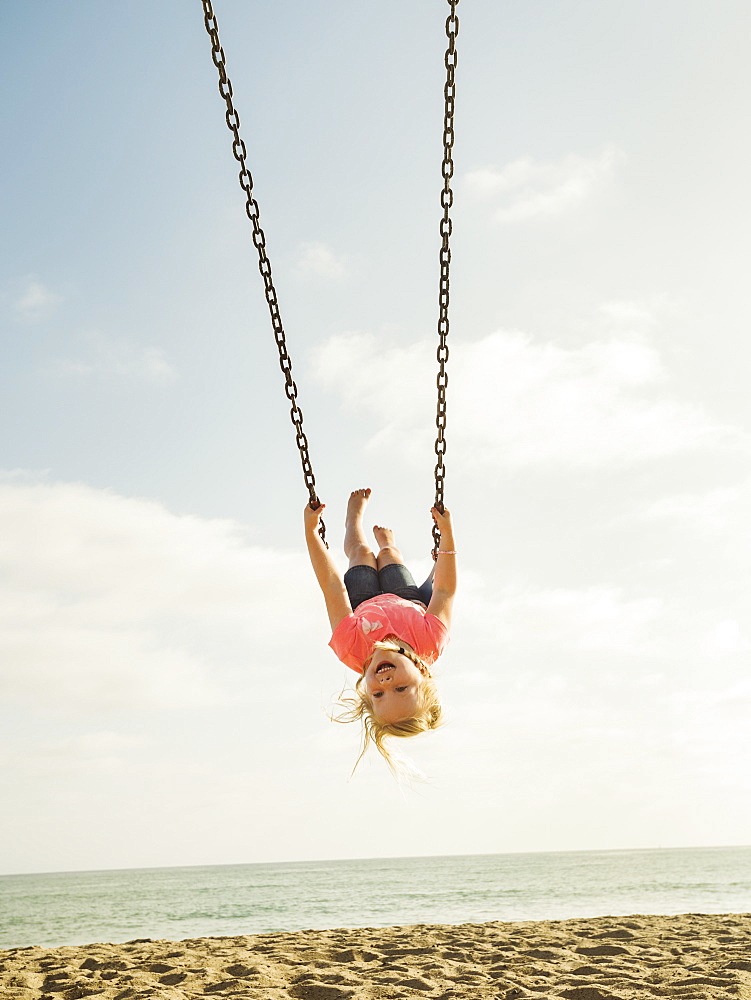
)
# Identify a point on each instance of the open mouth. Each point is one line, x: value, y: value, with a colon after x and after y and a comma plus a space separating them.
x: 383, y: 667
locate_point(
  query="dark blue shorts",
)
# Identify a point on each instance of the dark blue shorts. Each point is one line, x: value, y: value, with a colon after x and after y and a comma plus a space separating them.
x: 364, y: 582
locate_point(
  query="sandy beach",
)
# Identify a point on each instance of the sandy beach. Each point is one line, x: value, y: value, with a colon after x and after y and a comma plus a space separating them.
x: 689, y: 956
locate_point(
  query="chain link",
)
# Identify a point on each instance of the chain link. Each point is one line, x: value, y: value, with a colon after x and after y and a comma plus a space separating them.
x: 447, y: 200
x: 239, y: 151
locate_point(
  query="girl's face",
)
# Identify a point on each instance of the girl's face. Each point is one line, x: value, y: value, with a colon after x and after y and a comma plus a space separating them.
x: 392, y: 682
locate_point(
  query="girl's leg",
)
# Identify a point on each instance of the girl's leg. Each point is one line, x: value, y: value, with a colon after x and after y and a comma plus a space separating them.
x: 387, y: 551
x: 393, y: 575
x: 356, y: 548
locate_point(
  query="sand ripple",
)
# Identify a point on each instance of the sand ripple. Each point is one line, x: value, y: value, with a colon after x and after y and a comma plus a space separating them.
x: 693, y: 957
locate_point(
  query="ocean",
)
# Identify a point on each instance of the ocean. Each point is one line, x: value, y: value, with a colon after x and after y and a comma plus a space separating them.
x: 224, y: 900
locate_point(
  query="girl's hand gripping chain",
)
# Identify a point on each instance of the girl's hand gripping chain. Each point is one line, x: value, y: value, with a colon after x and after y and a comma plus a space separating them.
x: 313, y: 517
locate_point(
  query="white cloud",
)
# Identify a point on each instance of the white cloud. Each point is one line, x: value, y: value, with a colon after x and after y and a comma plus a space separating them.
x: 711, y: 511
x: 527, y: 189
x: 521, y: 402
x: 564, y: 637
x: 109, y: 601
x: 35, y: 301
x: 623, y: 314
x: 111, y: 357
x: 596, y: 619
x: 153, y: 365
x: 98, y: 751
x: 726, y: 637
x: 319, y: 261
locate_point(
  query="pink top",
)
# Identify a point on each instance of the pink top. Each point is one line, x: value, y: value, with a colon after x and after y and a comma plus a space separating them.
x: 387, y: 614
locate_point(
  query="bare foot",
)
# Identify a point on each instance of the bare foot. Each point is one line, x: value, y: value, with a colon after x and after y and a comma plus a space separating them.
x: 384, y: 536
x: 356, y: 505
x: 387, y: 550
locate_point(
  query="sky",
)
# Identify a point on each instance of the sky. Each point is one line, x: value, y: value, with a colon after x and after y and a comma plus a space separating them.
x: 166, y: 682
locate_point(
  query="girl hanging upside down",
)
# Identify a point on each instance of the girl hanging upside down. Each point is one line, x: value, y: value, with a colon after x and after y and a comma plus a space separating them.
x: 386, y: 628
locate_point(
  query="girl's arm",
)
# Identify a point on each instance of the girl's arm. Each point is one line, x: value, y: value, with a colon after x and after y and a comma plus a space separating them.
x: 444, y: 580
x: 328, y: 576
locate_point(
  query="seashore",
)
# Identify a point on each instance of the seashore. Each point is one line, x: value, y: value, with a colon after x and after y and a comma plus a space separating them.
x: 694, y: 956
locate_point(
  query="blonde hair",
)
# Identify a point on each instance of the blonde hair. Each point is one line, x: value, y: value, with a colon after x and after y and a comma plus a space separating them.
x: 359, y: 708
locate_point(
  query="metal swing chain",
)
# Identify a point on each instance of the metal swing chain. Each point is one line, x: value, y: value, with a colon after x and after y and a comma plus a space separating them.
x: 259, y: 239
x: 447, y: 200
